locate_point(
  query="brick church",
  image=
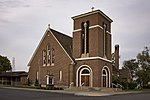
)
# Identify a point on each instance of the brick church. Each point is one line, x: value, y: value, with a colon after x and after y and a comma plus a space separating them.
x: 81, y: 60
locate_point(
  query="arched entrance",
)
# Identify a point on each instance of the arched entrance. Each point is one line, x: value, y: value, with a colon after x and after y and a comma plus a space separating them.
x: 105, y: 77
x: 84, y: 76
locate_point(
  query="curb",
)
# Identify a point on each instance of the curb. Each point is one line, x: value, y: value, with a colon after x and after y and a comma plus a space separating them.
x: 92, y: 94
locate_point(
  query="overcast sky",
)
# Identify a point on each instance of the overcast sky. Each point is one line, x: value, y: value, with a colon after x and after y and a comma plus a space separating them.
x: 23, y: 23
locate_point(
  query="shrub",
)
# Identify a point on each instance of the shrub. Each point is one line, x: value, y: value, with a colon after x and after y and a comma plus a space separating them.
x: 132, y: 85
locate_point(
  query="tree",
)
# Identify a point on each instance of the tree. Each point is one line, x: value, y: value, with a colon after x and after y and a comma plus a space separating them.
x: 143, y: 72
x: 140, y: 68
x: 5, y: 64
x: 131, y: 65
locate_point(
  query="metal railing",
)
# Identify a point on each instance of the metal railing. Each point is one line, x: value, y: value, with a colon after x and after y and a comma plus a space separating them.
x: 116, y: 86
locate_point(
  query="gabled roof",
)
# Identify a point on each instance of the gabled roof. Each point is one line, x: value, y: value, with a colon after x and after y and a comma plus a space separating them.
x: 13, y: 74
x: 65, y: 41
x: 62, y: 39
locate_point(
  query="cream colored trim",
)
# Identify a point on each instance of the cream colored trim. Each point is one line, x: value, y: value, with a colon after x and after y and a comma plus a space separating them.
x: 91, y: 58
x: 76, y: 30
x: 94, y: 26
x: 60, y: 75
x: 91, y: 76
x: 61, y: 46
x: 37, y: 47
x: 86, y: 14
x: 93, y: 12
x: 108, y: 32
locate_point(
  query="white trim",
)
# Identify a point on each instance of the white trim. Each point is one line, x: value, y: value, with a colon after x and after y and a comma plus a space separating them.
x: 61, y: 46
x: 37, y: 47
x: 91, y: 58
x: 93, y: 12
x: 91, y: 75
x: 60, y: 75
x: 94, y: 26
x: 108, y: 32
x: 37, y: 75
x: 76, y: 30
x: 106, y: 76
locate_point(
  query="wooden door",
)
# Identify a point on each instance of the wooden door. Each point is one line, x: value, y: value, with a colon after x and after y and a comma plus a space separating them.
x: 85, y: 80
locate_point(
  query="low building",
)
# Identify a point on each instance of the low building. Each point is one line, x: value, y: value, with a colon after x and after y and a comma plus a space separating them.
x: 14, y: 78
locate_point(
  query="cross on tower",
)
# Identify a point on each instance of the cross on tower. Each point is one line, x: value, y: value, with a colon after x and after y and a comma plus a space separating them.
x: 92, y: 8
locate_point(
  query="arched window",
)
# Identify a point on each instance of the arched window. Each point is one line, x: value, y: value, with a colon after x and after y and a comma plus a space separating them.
x: 82, y: 37
x: 53, y: 57
x: 48, y: 55
x: 44, y: 57
x: 85, y: 71
x: 105, y: 77
x: 105, y: 39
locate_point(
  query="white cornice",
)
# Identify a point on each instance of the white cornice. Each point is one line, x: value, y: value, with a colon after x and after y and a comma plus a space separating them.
x: 94, y: 26
x: 93, y: 12
x: 76, y: 30
x: 92, y: 58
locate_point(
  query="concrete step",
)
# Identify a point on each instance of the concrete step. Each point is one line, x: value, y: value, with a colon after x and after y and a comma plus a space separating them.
x: 93, y: 89
x: 77, y: 89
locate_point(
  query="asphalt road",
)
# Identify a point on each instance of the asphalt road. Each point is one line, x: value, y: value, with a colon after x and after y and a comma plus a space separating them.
x: 15, y: 94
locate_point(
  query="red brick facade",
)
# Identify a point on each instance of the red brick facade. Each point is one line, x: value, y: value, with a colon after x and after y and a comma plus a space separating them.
x: 84, y: 60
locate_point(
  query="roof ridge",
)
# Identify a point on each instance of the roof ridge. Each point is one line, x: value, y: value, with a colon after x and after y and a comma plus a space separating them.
x: 60, y: 32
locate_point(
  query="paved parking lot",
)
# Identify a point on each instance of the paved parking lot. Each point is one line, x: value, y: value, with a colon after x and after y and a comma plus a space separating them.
x: 19, y: 94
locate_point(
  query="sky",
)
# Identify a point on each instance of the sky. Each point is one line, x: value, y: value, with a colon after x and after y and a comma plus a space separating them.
x: 23, y: 23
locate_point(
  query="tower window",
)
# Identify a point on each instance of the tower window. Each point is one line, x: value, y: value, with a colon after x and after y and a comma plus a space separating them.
x: 82, y: 37
x: 85, y: 37
x: 105, y: 39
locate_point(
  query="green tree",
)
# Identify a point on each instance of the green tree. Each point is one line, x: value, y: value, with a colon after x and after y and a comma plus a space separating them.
x: 140, y: 68
x: 131, y: 65
x: 143, y: 72
x: 5, y: 64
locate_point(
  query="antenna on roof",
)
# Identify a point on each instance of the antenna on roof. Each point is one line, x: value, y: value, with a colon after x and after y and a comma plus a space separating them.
x: 13, y: 64
x: 92, y: 8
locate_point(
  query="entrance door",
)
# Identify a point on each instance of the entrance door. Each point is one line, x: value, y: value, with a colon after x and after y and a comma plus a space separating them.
x: 85, y: 80
x: 85, y: 77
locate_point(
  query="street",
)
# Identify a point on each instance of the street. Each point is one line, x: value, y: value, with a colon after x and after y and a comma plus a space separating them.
x: 15, y: 94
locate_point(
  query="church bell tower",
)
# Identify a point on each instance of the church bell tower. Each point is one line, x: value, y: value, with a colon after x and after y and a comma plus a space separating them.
x: 92, y: 35
x: 92, y: 49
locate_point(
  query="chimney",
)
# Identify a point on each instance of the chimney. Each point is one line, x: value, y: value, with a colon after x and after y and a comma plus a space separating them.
x: 117, y: 57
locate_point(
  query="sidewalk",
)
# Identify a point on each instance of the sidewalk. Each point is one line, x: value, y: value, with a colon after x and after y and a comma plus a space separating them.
x: 79, y: 93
